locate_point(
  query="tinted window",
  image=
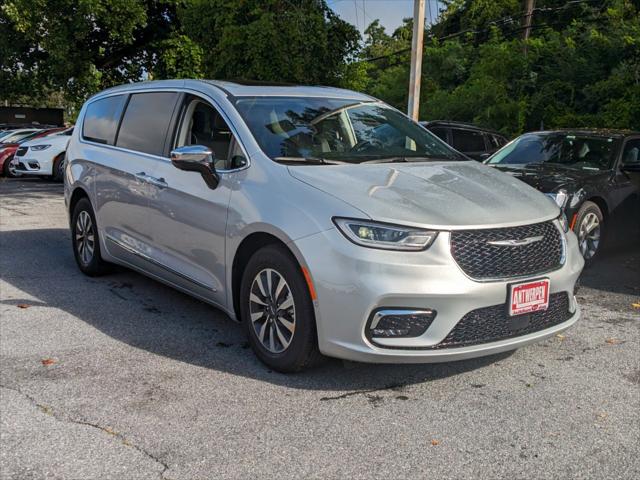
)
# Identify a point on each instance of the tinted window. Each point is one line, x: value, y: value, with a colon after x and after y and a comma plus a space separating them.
x: 631, y: 154
x: 146, y: 121
x: 339, y: 130
x: 441, y: 133
x: 575, y: 151
x: 101, y: 120
x: 468, y: 141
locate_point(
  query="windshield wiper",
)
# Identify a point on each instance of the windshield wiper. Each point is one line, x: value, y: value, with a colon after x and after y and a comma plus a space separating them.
x: 312, y: 160
x: 408, y: 159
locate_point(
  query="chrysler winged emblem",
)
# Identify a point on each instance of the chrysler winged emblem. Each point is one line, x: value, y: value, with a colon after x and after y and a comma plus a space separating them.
x: 515, y: 242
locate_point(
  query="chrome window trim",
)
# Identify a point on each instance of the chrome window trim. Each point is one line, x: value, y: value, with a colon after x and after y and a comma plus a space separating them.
x: 133, y: 251
x: 190, y: 91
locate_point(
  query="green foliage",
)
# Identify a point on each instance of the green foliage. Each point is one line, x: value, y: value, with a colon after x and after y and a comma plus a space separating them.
x: 69, y: 49
x: 299, y: 41
x: 580, y: 67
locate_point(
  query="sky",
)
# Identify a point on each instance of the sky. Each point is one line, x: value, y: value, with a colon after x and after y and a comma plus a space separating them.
x: 390, y: 12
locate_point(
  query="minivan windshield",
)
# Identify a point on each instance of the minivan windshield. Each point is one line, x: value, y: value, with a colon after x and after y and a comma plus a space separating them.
x: 584, y: 152
x: 336, y: 130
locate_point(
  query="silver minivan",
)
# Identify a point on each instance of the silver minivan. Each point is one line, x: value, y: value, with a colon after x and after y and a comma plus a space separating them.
x: 323, y: 220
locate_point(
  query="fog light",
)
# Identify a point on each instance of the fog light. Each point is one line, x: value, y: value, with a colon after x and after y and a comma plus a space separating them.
x: 400, y: 323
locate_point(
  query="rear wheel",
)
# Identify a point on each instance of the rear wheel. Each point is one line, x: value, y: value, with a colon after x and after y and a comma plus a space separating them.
x: 57, y: 171
x: 277, y: 311
x: 85, y: 240
x: 589, y: 228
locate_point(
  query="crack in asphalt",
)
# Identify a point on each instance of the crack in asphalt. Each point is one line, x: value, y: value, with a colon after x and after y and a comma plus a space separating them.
x: 366, y: 393
x: 67, y: 419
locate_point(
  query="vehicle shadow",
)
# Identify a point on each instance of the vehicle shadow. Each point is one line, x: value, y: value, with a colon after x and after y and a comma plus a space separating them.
x: 616, y: 270
x: 147, y: 315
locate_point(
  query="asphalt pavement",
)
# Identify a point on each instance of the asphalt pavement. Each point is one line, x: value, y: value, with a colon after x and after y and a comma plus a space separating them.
x: 120, y: 377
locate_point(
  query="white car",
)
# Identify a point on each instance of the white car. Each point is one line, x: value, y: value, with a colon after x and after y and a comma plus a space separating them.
x: 43, y: 156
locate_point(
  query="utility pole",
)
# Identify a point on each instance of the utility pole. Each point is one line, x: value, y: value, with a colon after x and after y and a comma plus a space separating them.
x: 529, y: 5
x: 416, y: 59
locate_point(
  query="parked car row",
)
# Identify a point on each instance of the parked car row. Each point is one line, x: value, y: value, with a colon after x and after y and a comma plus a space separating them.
x: 34, y: 151
x: 327, y: 222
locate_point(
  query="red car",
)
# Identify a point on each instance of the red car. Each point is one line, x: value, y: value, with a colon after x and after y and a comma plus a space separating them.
x: 8, y: 150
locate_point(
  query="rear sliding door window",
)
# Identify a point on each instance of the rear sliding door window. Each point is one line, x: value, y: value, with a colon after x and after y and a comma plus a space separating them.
x: 101, y: 120
x: 146, y: 122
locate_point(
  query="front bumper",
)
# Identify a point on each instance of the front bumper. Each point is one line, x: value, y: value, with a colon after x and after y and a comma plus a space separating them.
x: 352, y: 281
x: 34, y: 164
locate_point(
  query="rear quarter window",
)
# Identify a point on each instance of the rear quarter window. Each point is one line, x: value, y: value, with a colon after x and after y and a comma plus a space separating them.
x: 101, y: 119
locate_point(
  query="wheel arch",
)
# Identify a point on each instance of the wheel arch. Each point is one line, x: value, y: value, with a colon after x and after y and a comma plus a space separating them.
x: 77, y: 194
x: 250, y: 244
x: 602, y: 205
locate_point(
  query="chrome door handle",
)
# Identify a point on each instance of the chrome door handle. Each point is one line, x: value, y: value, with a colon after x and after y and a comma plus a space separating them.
x: 143, y: 177
x: 158, y: 182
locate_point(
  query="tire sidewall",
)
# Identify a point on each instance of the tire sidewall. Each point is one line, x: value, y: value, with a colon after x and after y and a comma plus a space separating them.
x: 94, y: 267
x: 56, y: 174
x: 586, y: 208
x: 305, y: 337
x: 6, y: 168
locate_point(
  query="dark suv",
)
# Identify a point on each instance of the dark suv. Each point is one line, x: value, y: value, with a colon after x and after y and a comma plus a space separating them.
x: 475, y: 142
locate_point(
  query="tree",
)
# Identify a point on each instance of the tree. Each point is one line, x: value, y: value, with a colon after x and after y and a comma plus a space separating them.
x: 81, y: 47
x: 582, y: 67
x: 299, y: 41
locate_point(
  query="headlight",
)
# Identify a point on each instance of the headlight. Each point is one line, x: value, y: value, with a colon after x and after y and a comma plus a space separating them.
x: 385, y: 236
x: 39, y: 147
x: 564, y: 223
x: 560, y: 197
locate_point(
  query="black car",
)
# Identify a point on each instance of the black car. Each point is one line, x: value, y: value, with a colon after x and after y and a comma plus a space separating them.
x: 594, y: 175
x: 475, y: 142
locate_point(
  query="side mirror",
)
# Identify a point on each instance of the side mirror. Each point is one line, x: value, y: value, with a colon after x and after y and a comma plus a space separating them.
x: 196, y: 158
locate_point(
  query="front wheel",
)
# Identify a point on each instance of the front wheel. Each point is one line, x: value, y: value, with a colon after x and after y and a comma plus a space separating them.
x: 277, y: 311
x: 57, y: 171
x: 8, y: 170
x: 589, y: 228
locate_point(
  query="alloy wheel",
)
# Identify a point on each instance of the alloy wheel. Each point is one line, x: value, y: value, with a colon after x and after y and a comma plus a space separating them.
x: 272, y: 310
x: 589, y: 235
x: 11, y: 168
x: 85, y: 237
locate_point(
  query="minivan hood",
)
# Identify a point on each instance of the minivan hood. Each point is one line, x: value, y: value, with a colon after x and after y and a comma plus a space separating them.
x: 439, y: 195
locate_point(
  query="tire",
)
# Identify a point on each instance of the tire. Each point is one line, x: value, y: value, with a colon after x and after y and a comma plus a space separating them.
x: 57, y: 170
x: 590, y: 230
x: 299, y: 350
x: 7, y: 171
x: 84, y: 229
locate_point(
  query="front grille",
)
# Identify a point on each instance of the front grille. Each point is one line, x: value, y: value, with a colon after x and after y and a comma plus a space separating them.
x: 491, y: 324
x: 22, y: 151
x: 481, y: 260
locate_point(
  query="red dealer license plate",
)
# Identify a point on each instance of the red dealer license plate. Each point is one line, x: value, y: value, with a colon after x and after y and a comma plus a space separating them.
x: 529, y: 297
